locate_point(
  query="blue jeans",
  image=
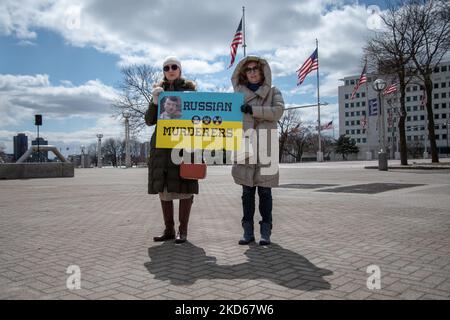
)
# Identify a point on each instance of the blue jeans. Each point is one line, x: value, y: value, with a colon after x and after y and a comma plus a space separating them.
x: 265, y: 203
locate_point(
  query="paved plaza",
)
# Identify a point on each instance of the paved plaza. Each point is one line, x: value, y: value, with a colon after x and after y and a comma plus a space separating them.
x: 331, y: 222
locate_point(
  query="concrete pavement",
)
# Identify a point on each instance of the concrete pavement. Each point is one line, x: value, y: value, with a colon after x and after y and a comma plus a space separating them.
x: 102, y: 221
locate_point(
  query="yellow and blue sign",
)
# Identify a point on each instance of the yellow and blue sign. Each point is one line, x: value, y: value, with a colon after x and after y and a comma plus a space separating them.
x: 199, y: 120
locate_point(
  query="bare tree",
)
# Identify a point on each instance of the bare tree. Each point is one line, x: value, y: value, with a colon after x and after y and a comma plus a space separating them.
x: 136, y: 88
x: 430, y: 25
x: 287, y: 125
x: 389, y: 53
x: 112, y: 150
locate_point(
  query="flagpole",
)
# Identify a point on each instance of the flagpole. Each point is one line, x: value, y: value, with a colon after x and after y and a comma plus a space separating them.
x: 319, y: 152
x: 243, y: 29
x: 367, y: 115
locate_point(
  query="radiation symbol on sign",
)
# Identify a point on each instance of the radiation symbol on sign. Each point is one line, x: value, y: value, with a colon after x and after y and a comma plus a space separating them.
x: 206, y: 120
x: 195, y: 120
x: 217, y: 120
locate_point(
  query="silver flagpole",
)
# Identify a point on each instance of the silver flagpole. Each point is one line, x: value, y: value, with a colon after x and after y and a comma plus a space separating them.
x: 243, y: 29
x: 319, y: 152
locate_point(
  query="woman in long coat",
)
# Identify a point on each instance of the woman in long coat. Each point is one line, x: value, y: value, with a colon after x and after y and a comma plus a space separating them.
x: 263, y: 107
x: 163, y: 175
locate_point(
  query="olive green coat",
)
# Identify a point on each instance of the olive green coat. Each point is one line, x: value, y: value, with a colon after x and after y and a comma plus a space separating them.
x: 161, y: 170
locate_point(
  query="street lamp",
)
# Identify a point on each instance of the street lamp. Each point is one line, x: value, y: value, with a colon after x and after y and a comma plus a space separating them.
x: 379, y: 85
x: 99, y: 150
x: 127, y: 115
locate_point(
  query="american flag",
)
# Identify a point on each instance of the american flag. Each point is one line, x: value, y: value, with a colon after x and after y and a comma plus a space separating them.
x: 363, y: 122
x: 391, y: 89
x: 327, y: 126
x: 237, y: 40
x: 362, y: 79
x: 312, y: 63
x: 423, y: 101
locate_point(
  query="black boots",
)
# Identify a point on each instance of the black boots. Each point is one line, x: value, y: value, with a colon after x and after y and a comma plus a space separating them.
x: 266, y: 231
x: 169, y: 232
x: 185, y: 210
x: 249, y: 235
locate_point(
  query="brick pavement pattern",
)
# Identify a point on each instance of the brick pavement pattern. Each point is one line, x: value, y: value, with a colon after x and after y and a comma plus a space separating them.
x: 103, y: 221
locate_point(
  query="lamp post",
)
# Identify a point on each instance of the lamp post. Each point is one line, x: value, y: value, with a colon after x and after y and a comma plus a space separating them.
x: 127, y: 115
x: 99, y: 150
x: 379, y: 85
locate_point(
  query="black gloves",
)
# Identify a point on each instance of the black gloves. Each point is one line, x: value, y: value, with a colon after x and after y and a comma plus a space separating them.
x: 246, y: 108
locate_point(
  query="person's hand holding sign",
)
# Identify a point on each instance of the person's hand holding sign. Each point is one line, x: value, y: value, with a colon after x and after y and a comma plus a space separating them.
x: 155, y: 94
x: 246, y: 108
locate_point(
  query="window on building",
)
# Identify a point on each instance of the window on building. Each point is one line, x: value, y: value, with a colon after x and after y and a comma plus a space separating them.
x: 436, y: 105
x: 435, y: 85
x: 414, y: 88
x: 408, y: 109
x: 346, y: 105
x: 346, y: 114
x: 408, y: 138
x: 358, y: 131
x: 358, y: 122
x: 443, y: 94
x: 408, y: 99
x: 352, y: 105
x: 352, y: 82
x: 436, y: 116
x: 443, y: 85
x: 415, y: 108
x: 444, y: 137
x: 352, y: 123
x: 364, y: 140
x: 352, y: 114
x: 415, y: 98
x: 363, y: 112
x: 358, y: 140
x: 444, y: 116
x: 422, y: 108
x: 444, y: 105
x: 408, y: 89
x: 436, y: 69
x: 357, y: 113
x: 408, y: 118
x: 347, y: 82
x: 363, y: 94
x: 346, y: 96
x: 363, y: 103
x: 357, y: 95
x: 357, y: 104
x: 346, y: 123
x: 444, y: 69
x: 422, y: 118
x: 415, y: 118
x: 436, y: 96
x: 353, y: 131
x: 416, y: 138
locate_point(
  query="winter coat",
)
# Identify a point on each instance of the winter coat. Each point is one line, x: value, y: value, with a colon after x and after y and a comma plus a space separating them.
x: 161, y: 170
x: 268, y: 107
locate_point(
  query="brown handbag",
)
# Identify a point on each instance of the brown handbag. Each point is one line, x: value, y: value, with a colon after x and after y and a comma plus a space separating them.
x: 193, y: 171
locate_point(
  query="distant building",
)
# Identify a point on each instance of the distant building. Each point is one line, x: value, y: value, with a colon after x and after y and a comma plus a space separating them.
x: 20, y: 145
x: 355, y: 121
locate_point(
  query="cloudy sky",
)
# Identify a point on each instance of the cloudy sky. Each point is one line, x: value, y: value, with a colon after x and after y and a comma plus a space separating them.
x: 63, y: 58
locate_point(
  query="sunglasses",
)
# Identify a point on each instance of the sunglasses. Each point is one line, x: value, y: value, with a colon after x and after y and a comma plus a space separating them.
x: 173, y: 66
x: 248, y: 70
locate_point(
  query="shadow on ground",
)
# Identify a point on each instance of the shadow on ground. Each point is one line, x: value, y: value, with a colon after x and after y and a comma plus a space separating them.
x: 185, y: 264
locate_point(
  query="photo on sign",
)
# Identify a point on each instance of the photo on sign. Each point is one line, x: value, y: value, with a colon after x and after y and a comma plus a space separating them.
x: 170, y: 107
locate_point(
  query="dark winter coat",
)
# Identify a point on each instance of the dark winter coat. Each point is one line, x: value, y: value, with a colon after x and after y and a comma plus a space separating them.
x: 161, y: 170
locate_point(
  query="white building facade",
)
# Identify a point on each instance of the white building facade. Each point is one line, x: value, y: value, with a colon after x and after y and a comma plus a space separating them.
x: 356, y: 122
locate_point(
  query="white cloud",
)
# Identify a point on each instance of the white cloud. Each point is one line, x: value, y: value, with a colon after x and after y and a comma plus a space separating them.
x: 22, y: 96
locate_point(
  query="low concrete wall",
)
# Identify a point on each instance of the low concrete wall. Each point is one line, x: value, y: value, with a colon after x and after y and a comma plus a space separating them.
x: 36, y: 170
